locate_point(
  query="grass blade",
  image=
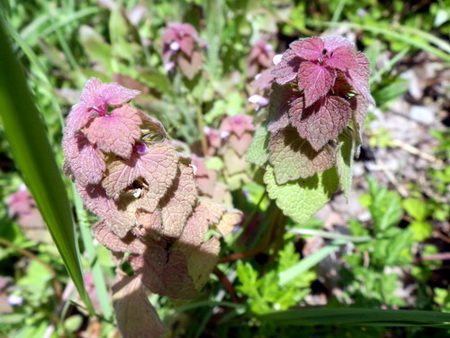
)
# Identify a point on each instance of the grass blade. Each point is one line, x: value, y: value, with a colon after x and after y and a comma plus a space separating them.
x: 34, y: 156
x: 358, y: 317
x: 307, y: 263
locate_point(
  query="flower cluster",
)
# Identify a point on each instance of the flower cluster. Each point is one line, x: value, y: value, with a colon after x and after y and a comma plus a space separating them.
x: 260, y: 58
x: 182, y: 48
x: 319, y: 87
x: 22, y: 207
x: 231, y: 142
x: 131, y: 175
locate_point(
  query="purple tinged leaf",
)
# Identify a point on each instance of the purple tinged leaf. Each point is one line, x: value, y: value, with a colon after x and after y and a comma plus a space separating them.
x: 323, y: 121
x: 293, y: 157
x: 359, y: 77
x: 342, y: 59
x: 335, y: 41
x: 228, y: 221
x: 280, y: 100
x: 187, y: 45
x: 120, y: 217
x: 164, y: 272
x: 116, y: 132
x: 287, y: 70
x: 178, y: 202
x: 107, y: 238
x: 94, y: 101
x: 315, y: 80
x: 82, y: 159
x: 190, y: 67
x: 157, y: 167
x: 309, y: 49
x: 359, y: 107
x: 240, y: 144
x: 136, y: 317
x: 233, y: 162
x: 115, y: 95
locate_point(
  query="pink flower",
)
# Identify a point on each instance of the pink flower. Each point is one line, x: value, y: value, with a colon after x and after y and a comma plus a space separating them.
x: 238, y: 124
x: 181, y: 47
x: 260, y: 58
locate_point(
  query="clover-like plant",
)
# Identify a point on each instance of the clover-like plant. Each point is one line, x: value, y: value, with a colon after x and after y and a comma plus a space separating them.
x: 132, y: 177
x: 318, y: 101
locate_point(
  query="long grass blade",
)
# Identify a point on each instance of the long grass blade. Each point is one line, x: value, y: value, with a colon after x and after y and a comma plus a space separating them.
x: 308, y: 262
x: 33, y: 154
x: 358, y: 317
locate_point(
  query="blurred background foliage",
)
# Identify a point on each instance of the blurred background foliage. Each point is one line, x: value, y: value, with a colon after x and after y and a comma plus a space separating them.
x: 395, y: 256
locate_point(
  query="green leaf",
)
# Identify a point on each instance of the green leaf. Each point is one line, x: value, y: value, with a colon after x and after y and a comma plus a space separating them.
x: 421, y: 230
x: 35, y: 158
x: 359, y: 317
x: 96, y: 47
x: 301, y: 199
x: 416, y: 208
x: 293, y: 158
x: 344, y: 162
x: 257, y: 153
x: 385, y: 206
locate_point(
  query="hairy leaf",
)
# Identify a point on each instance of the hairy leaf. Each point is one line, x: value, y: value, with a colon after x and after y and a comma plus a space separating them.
x: 280, y: 100
x: 240, y: 144
x: 237, y: 124
x: 257, y: 153
x: 323, y: 121
x: 164, y: 272
x: 309, y: 49
x: 359, y: 77
x: 293, y: 157
x: 301, y: 199
x: 136, y: 317
x: 83, y: 161
x: 344, y: 161
x: 107, y: 238
x: 233, y: 162
x: 158, y: 167
x: 178, y: 202
x: 315, y: 80
x: 286, y: 71
x: 228, y: 221
x: 116, y: 132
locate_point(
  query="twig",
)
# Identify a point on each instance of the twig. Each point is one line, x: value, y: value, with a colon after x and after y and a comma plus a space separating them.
x: 227, y: 284
x: 416, y: 151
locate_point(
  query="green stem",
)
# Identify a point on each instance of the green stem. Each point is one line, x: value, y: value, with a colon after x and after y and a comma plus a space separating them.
x: 97, y: 273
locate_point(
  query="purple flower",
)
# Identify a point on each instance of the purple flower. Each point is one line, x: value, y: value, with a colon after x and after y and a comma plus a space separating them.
x: 182, y: 48
x: 260, y: 58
